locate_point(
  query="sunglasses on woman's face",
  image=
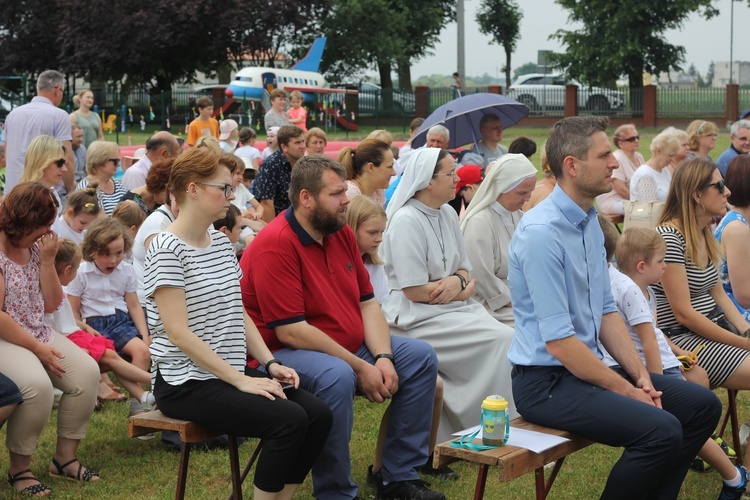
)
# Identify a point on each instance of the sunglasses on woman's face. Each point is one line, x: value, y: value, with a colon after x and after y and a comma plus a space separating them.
x: 719, y: 185
x: 60, y: 163
x: 632, y: 139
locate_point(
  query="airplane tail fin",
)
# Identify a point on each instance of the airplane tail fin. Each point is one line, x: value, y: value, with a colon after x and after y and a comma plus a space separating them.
x: 311, y: 61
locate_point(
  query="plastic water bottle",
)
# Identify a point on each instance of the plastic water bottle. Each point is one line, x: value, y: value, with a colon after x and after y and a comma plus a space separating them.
x: 495, y: 421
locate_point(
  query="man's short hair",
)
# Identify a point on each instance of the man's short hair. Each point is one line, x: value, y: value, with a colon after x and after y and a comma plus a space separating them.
x: 739, y: 125
x: 276, y: 93
x: 440, y: 130
x: 487, y: 119
x: 157, y: 140
x: 204, y: 102
x: 287, y: 133
x: 74, y: 127
x: 308, y: 174
x: 48, y: 80
x: 572, y: 137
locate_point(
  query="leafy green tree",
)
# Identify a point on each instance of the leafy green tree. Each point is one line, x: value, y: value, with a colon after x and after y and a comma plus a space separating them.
x: 402, y: 32
x: 623, y: 38
x: 501, y: 20
x: 524, y: 69
x: 29, y: 36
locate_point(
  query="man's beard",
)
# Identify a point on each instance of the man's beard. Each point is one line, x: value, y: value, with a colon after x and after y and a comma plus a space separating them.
x: 326, y: 222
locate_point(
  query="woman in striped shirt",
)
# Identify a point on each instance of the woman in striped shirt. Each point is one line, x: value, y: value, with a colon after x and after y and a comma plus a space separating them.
x: 692, y: 306
x: 201, y: 336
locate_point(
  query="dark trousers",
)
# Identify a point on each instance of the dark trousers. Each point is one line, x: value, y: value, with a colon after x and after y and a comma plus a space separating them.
x: 659, y: 443
x: 293, y: 430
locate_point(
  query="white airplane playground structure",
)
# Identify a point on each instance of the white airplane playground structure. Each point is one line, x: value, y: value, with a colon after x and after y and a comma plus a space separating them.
x: 253, y: 83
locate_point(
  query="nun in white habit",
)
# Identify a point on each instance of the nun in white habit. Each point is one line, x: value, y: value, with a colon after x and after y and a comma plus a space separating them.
x: 488, y: 226
x: 430, y: 293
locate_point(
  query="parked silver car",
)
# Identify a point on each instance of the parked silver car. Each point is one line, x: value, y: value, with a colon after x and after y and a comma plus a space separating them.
x: 541, y: 92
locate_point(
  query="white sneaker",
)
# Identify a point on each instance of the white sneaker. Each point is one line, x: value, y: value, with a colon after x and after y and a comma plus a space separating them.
x: 148, y: 402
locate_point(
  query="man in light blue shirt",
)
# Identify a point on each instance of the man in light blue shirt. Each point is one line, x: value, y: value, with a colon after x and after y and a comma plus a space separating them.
x: 562, y: 304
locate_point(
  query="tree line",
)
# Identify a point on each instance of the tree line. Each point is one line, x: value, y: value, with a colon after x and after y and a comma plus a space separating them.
x: 157, y: 43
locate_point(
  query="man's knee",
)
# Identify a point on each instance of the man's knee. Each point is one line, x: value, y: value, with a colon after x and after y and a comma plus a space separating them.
x: 413, y: 352
x: 334, y: 381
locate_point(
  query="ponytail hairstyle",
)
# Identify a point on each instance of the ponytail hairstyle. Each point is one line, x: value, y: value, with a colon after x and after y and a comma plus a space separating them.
x: 85, y: 200
x: 77, y: 98
x: 368, y: 151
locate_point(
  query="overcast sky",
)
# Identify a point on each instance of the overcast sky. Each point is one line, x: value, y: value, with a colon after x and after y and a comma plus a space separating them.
x: 703, y: 40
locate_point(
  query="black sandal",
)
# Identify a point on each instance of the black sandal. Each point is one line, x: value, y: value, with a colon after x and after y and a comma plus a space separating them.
x: 34, y: 489
x: 86, y: 476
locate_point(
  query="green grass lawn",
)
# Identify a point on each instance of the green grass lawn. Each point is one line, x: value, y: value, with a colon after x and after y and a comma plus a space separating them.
x: 134, y: 469
x: 137, y: 469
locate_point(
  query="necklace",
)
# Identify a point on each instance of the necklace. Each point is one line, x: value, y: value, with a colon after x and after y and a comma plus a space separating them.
x: 440, y: 239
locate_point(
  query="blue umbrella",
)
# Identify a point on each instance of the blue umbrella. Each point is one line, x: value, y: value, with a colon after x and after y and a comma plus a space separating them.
x: 461, y: 117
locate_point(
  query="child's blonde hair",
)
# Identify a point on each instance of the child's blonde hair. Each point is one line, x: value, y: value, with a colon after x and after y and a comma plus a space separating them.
x: 208, y: 142
x: 637, y: 244
x: 381, y: 135
x: 84, y: 200
x: 68, y: 254
x: 129, y: 213
x: 361, y: 209
x: 296, y: 94
x: 101, y: 233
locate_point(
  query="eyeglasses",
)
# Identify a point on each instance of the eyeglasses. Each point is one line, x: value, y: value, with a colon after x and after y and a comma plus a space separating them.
x: 719, y: 185
x: 449, y: 174
x: 116, y: 161
x: 60, y: 163
x: 631, y: 139
x: 712, y: 135
x: 228, y: 188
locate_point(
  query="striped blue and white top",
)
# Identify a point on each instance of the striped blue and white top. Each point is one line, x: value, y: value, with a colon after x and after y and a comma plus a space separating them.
x: 699, y: 281
x: 210, y: 278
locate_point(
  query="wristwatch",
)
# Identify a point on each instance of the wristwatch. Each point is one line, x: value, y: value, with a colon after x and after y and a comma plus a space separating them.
x: 463, y: 280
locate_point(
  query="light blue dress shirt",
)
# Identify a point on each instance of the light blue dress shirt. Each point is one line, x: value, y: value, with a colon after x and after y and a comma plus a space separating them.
x: 557, y: 273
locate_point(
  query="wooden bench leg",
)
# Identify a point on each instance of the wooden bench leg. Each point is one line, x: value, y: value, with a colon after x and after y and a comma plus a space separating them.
x: 731, y: 417
x: 481, y: 482
x: 182, y: 470
x: 542, y: 486
x: 234, y: 467
x: 249, y: 465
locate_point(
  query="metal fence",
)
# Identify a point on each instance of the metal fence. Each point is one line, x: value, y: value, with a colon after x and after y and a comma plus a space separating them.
x: 691, y: 103
x: 389, y: 107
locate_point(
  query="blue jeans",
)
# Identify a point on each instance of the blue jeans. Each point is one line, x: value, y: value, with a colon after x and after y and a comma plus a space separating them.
x: 334, y: 381
x: 659, y: 445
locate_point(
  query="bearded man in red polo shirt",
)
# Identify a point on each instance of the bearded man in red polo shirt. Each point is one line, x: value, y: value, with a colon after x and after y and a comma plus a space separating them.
x: 306, y: 288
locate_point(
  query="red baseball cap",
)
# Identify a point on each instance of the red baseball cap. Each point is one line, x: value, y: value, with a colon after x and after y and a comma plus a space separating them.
x: 469, y: 174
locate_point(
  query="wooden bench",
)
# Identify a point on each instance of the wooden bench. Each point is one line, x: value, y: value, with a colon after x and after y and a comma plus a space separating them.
x: 190, y: 432
x: 513, y: 461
